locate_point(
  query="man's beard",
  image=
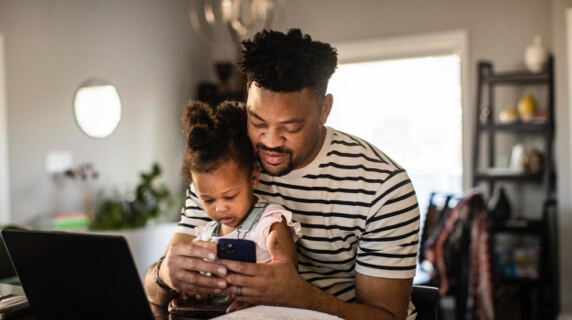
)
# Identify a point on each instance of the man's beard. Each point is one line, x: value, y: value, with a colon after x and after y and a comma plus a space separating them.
x: 276, y: 171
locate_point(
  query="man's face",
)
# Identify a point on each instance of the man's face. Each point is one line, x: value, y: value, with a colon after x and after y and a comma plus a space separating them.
x: 285, y: 128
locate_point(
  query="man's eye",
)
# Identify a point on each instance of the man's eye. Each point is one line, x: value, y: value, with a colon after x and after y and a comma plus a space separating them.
x: 291, y: 130
x: 258, y: 125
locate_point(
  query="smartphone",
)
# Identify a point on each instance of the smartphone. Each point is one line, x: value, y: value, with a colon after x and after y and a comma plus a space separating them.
x: 196, y: 309
x: 236, y: 249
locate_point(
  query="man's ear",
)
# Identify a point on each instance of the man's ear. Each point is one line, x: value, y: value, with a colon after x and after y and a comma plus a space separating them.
x: 255, y: 178
x: 326, y: 108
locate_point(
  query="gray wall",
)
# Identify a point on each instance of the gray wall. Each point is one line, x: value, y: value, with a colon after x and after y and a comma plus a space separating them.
x: 148, y: 50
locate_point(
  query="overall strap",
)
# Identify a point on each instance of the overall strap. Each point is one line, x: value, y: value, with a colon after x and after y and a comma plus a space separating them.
x: 253, y: 216
x: 213, y: 229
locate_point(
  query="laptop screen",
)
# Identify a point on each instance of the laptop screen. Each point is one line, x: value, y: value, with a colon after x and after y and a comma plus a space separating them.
x: 77, y: 275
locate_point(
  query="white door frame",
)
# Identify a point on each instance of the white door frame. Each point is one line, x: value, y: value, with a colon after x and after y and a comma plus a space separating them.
x: 4, y: 177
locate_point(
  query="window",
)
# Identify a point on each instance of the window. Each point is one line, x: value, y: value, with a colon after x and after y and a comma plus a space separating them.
x: 408, y: 103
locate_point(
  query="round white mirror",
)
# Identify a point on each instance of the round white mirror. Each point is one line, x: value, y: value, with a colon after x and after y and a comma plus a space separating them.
x: 97, y: 107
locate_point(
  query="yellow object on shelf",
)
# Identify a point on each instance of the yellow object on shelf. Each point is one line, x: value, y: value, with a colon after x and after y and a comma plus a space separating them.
x: 508, y: 115
x: 527, y: 108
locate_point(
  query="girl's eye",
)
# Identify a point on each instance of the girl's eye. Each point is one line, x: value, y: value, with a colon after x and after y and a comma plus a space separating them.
x: 229, y: 198
x: 208, y: 201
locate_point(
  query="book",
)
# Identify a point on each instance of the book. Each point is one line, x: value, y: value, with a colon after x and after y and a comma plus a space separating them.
x: 13, y: 306
x: 276, y: 313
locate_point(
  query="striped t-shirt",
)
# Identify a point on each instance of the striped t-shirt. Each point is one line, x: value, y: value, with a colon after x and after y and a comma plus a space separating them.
x: 358, y: 212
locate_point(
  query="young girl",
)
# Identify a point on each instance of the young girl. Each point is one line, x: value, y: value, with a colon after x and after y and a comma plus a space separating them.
x: 221, y: 164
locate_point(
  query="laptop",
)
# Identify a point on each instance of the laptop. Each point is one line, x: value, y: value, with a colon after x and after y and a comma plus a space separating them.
x: 69, y: 275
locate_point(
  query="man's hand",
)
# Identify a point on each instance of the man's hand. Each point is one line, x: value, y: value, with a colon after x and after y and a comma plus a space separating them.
x: 236, y: 305
x: 266, y: 283
x: 181, y: 270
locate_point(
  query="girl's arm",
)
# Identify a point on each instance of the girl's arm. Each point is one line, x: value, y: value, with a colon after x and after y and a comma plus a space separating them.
x: 284, y: 238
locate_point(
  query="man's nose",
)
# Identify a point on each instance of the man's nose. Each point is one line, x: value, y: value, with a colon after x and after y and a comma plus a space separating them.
x: 273, y: 138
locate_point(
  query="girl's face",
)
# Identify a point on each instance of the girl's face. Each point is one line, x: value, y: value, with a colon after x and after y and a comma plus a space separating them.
x: 227, y: 194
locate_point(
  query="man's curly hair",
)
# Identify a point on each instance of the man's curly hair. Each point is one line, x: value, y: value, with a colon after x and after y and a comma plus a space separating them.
x: 287, y: 62
x: 212, y: 139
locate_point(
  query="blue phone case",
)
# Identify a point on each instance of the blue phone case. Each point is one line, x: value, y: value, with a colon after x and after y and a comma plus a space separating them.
x: 236, y: 249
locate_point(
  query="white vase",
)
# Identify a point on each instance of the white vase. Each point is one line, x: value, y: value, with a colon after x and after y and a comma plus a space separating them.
x: 535, y: 55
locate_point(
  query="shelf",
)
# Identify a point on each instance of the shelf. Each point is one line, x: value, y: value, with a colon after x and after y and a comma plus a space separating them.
x: 518, y: 226
x: 536, y: 127
x: 506, y: 174
x: 517, y: 77
x: 521, y: 254
x: 518, y: 281
x: 209, y: 93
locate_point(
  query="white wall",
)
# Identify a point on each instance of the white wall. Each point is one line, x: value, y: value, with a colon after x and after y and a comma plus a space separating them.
x: 146, y: 48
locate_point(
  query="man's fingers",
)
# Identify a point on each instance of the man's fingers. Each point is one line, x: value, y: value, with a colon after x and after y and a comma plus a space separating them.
x: 191, y: 267
x: 199, y: 249
x: 244, y: 268
x: 194, y: 281
x: 238, y: 305
x: 206, y: 244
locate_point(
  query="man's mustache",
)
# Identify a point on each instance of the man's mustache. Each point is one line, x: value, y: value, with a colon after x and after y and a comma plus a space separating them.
x: 262, y: 147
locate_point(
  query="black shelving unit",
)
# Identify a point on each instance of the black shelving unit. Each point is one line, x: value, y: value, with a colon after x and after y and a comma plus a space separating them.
x: 537, y: 295
x: 208, y: 92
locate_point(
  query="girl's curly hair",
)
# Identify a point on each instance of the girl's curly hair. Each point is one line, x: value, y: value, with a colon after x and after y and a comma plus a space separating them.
x: 213, y: 138
x: 287, y: 62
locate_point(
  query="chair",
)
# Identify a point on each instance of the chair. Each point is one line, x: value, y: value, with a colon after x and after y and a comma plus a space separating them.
x: 426, y: 301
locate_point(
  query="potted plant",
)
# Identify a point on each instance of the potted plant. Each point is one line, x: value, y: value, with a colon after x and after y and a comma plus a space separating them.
x: 146, y: 203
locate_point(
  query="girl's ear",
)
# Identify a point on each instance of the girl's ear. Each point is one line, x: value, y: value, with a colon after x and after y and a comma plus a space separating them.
x: 255, y: 176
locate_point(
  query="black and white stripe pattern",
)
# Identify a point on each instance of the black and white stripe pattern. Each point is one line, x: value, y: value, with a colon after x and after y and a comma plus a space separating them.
x: 358, y: 212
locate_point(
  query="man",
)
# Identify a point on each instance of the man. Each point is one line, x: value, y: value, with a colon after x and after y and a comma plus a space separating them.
x: 358, y: 209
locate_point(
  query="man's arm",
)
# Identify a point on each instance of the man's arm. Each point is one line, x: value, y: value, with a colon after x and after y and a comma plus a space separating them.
x: 180, y: 268
x: 278, y: 283
x: 393, y: 298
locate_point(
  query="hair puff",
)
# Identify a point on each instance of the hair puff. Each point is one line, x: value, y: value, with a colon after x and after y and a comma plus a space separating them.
x: 197, y: 113
x: 231, y: 117
x: 212, y: 138
x: 200, y: 138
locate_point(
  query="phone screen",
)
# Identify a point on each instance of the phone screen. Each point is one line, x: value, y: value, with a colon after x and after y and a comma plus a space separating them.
x: 236, y: 249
